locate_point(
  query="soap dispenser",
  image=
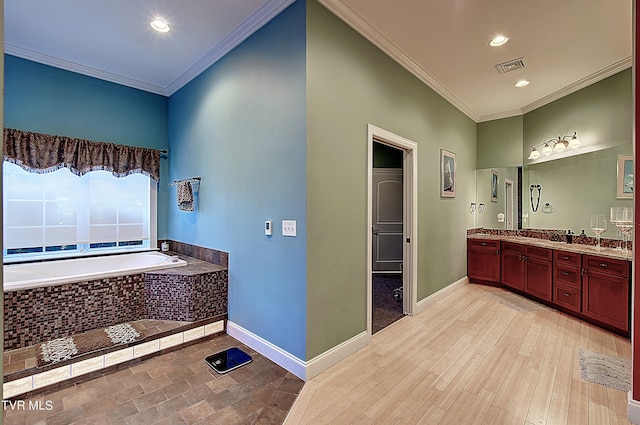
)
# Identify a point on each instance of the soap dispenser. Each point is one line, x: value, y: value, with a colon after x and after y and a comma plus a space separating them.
x: 569, y: 236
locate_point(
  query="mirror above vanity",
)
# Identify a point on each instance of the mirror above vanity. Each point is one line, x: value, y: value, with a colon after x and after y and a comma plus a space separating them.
x: 559, y: 191
x: 561, y: 194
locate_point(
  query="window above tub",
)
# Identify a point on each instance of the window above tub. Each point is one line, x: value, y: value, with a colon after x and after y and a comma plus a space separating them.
x: 58, y: 214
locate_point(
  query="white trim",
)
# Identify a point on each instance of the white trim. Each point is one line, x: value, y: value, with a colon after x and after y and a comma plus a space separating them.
x: 410, y: 253
x: 368, y: 31
x: 441, y: 294
x: 267, y: 349
x: 304, y: 370
x: 252, y: 24
x: 336, y: 354
x: 256, y: 21
x: 358, y: 23
x: 633, y: 409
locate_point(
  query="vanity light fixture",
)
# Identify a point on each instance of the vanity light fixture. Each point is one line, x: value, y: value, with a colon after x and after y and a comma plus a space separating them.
x: 559, y: 144
x: 160, y: 25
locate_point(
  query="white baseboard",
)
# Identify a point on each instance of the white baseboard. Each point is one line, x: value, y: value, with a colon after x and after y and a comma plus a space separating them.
x: 304, y: 370
x: 633, y: 410
x: 423, y: 304
x: 272, y: 352
x: 336, y: 354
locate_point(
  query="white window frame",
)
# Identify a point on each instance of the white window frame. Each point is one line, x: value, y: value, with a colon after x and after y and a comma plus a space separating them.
x: 84, y: 248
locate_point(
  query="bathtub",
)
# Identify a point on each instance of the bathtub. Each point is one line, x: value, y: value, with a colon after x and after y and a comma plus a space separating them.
x: 49, y: 273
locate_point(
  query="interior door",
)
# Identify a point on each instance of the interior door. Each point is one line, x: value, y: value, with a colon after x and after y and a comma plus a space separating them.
x: 387, y: 241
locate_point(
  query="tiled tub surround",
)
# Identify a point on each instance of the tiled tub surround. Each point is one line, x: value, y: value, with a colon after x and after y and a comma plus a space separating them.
x: 549, y: 235
x: 208, y: 255
x: 40, y: 314
x: 192, y: 293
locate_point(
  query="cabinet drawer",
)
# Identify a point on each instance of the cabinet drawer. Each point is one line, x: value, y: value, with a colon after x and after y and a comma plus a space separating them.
x: 566, y: 257
x: 513, y: 247
x: 489, y: 244
x: 538, y: 252
x: 567, y: 297
x: 566, y: 275
x: 606, y: 265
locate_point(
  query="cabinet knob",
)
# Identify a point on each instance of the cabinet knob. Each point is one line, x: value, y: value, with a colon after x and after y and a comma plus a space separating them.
x: 565, y: 273
x: 565, y: 257
x: 483, y: 244
x: 566, y: 294
x: 604, y: 265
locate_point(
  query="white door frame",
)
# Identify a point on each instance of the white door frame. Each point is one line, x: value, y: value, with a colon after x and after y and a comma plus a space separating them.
x: 410, y: 216
x: 508, y: 206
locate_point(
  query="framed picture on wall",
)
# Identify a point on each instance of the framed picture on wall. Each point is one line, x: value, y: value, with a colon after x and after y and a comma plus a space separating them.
x: 447, y: 174
x: 625, y: 177
x: 494, y: 186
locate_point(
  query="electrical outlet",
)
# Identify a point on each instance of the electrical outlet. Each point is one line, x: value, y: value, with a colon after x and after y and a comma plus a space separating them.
x: 288, y: 227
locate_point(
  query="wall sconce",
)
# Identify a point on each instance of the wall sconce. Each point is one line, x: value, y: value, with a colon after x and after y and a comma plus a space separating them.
x: 555, y: 145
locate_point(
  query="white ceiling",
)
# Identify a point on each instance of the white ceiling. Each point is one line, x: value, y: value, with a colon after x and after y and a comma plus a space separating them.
x: 565, y: 44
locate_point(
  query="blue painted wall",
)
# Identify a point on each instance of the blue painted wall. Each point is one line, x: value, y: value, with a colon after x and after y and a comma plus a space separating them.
x: 241, y: 126
x: 49, y: 100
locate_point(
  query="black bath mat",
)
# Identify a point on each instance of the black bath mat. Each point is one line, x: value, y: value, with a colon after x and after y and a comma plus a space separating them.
x: 228, y: 360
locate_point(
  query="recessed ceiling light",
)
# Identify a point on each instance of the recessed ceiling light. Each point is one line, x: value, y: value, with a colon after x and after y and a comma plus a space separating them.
x: 498, y: 40
x: 160, y: 25
x: 522, y: 83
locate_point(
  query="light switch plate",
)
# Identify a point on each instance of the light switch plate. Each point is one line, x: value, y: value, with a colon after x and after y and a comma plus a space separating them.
x: 288, y: 228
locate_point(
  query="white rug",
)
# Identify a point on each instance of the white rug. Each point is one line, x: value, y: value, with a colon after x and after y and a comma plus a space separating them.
x: 610, y: 371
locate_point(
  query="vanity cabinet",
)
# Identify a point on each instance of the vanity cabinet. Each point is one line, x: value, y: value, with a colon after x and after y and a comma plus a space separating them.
x: 591, y: 287
x: 483, y: 260
x: 606, y: 290
x: 513, y: 265
x: 567, y: 284
x: 538, y: 272
x: 527, y: 268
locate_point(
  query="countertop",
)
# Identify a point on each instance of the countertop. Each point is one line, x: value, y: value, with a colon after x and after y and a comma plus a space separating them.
x: 570, y: 247
x: 193, y: 267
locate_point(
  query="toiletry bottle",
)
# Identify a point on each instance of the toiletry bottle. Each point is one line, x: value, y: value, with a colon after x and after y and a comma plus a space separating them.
x: 569, y: 236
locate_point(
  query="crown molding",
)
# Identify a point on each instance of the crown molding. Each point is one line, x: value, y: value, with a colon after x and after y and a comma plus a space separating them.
x: 45, y: 59
x: 256, y: 21
x: 364, y: 28
x: 580, y: 84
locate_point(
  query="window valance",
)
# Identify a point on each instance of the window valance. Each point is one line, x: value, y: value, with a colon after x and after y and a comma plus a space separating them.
x: 43, y: 153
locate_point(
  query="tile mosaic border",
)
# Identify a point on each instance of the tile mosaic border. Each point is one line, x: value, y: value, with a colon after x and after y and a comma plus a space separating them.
x: 103, y: 363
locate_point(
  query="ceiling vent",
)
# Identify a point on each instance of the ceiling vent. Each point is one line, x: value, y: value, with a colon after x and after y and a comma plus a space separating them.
x: 511, y: 65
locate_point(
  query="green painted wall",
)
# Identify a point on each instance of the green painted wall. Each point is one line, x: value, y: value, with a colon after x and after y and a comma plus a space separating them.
x: 500, y: 143
x: 579, y: 182
x: 601, y: 114
x: 350, y: 84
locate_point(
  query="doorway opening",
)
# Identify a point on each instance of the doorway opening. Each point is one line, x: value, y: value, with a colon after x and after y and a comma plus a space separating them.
x: 508, y: 191
x: 392, y: 228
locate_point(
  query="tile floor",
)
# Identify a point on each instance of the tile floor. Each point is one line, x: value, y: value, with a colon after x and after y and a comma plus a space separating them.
x: 174, y: 388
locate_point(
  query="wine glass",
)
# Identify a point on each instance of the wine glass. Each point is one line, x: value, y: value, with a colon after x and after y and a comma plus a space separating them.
x: 598, y: 226
x: 626, y: 226
x: 616, y: 218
